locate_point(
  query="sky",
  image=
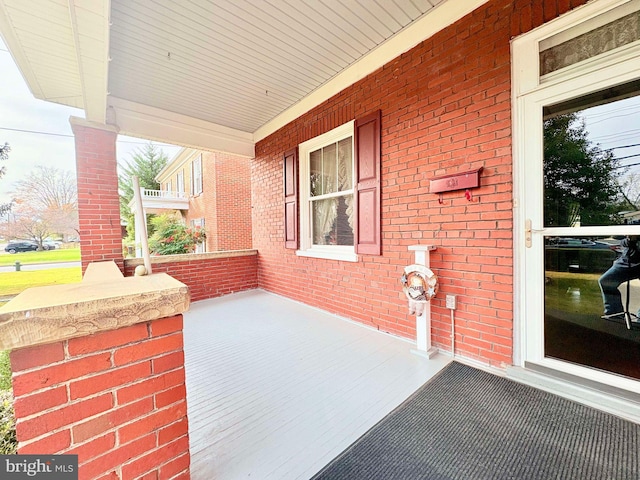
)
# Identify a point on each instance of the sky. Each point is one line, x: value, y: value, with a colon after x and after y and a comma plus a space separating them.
x: 39, y: 132
x: 617, y: 126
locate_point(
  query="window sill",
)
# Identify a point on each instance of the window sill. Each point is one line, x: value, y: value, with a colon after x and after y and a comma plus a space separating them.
x: 344, y: 257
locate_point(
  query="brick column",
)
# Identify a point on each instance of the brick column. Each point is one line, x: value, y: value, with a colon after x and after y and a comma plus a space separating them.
x: 98, y: 200
x: 98, y: 372
x: 117, y: 399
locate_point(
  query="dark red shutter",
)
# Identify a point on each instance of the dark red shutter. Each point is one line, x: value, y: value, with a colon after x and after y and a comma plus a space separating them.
x: 291, y: 199
x: 367, y: 185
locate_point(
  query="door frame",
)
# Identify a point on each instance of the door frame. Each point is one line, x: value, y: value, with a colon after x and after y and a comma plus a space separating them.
x: 530, y: 93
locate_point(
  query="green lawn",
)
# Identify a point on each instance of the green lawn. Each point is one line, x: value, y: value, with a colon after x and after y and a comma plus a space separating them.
x: 560, y: 285
x: 12, y: 283
x: 61, y: 255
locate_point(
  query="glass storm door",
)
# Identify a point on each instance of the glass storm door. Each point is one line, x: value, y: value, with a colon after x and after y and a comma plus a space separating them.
x: 590, y: 233
x: 576, y: 85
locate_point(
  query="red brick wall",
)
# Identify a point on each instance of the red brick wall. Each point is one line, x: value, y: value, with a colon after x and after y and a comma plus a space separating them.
x: 117, y: 399
x: 233, y: 187
x: 208, y: 277
x: 225, y: 203
x: 98, y: 200
x: 446, y: 108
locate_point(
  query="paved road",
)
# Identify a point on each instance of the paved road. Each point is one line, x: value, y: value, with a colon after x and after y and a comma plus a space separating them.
x: 39, y: 266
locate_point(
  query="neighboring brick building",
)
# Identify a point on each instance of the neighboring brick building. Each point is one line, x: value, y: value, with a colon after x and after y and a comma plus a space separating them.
x: 218, y: 187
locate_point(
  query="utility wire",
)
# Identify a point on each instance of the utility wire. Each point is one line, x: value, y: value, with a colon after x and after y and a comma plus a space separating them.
x: 63, y: 135
x: 628, y: 156
x: 624, y: 146
x: 630, y: 165
x: 37, y: 133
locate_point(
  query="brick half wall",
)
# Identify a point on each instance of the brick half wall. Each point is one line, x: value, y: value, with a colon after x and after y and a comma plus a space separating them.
x: 207, y: 275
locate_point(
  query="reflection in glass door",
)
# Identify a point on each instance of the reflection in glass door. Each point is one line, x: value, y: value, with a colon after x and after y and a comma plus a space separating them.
x: 591, y: 175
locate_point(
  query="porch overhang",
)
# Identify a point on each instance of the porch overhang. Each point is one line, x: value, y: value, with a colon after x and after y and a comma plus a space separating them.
x: 209, y: 75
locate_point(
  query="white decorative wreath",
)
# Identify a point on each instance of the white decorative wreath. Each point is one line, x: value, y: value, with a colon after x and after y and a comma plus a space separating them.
x: 419, y: 283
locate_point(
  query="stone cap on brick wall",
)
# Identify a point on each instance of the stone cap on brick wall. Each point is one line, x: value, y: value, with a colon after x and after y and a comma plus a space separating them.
x: 104, y: 300
x: 190, y: 257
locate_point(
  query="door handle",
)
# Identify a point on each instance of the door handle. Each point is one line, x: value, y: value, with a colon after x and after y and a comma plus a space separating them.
x: 528, y: 232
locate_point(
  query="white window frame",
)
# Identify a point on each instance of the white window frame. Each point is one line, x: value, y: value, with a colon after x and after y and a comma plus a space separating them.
x: 199, y: 222
x: 180, y: 182
x: 307, y: 249
x: 196, y: 180
x: 530, y: 94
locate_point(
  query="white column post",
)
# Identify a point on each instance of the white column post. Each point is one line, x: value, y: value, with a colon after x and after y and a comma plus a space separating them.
x: 138, y: 236
x: 423, y: 321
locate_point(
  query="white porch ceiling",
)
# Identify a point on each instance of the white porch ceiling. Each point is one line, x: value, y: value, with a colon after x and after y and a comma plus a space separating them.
x: 240, y: 63
x: 217, y: 74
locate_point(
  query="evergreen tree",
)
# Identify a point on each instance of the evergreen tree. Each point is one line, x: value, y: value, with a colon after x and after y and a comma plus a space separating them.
x: 580, y: 179
x: 145, y: 163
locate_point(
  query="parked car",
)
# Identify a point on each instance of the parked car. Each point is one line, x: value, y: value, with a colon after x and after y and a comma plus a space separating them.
x: 20, y: 246
x: 49, y: 245
x: 575, y: 243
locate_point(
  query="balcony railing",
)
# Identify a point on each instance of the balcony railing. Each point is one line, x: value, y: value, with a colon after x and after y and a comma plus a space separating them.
x: 162, y: 194
x: 162, y: 199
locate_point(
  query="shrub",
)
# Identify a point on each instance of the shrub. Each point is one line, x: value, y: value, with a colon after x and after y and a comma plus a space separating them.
x: 8, y: 440
x: 5, y: 371
x: 171, y: 237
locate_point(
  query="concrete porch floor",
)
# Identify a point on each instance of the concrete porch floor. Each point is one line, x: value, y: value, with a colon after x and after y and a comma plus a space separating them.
x: 277, y: 389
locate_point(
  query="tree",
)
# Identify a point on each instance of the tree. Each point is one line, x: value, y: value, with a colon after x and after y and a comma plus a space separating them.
x: 4, y: 156
x: 580, y: 179
x: 46, y: 203
x: 630, y: 190
x: 47, y: 187
x: 146, y: 163
x: 32, y: 223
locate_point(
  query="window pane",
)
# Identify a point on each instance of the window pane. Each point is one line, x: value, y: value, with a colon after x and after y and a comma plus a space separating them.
x: 315, y: 175
x: 345, y: 162
x: 329, y: 170
x: 592, y: 160
x: 600, y: 39
x: 332, y: 221
x: 584, y: 321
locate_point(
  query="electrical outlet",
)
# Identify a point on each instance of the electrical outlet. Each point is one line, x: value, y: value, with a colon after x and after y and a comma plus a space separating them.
x: 451, y: 302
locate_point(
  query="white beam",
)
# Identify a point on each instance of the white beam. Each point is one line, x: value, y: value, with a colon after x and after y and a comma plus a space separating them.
x: 139, y: 120
x: 90, y: 26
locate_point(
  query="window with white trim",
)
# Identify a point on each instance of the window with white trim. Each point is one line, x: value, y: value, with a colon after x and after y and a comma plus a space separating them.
x: 332, y: 185
x: 327, y: 212
x: 180, y: 182
x: 196, y: 175
x: 199, y: 223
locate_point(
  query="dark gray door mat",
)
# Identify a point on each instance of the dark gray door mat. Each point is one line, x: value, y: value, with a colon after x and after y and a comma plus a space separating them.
x: 472, y: 425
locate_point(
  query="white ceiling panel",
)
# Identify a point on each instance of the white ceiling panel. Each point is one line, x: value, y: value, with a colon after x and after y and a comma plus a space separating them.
x: 241, y: 63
